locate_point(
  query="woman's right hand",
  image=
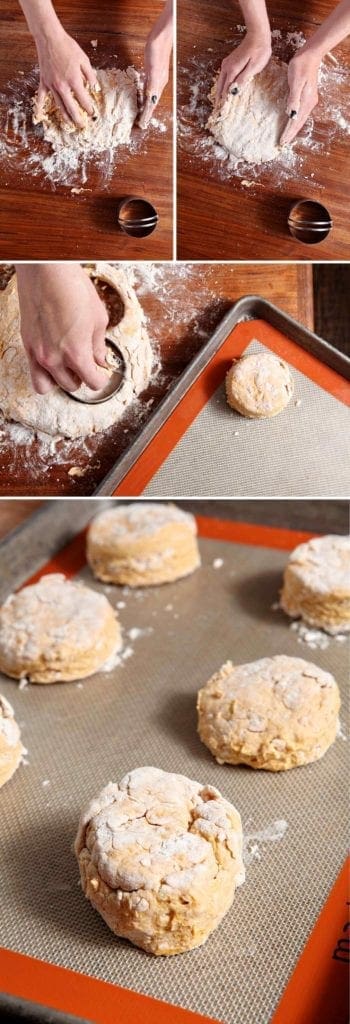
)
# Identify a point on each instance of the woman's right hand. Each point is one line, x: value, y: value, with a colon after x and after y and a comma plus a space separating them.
x: 249, y: 57
x: 65, y: 71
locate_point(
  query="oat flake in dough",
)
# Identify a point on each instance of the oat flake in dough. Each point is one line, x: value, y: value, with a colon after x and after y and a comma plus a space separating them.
x: 249, y: 125
x: 115, y: 110
x: 57, y: 414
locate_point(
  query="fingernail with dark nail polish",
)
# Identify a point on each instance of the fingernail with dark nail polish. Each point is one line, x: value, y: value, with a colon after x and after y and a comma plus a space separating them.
x: 293, y: 113
x: 234, y: 90
x: 153, y: 99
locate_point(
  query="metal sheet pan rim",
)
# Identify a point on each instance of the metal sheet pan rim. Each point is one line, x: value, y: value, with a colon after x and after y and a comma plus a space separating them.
x: 249, y: 307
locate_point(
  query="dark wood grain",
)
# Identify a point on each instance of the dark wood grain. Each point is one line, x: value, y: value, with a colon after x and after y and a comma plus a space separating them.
x: 332, y: 303
x: 223, y: 219
x: 214, y: 288
x: 39, y: 220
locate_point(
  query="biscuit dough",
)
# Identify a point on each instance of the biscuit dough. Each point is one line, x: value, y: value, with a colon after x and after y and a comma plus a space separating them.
x: 141, y: 545
x: 56, y: 630
x: 316, y: 583
x: 259, y: 385
x: 115, y: 111
x: 160, y: 857
x: 249, y: 125
x: 275, y: 713
x: 56, y: 413
x: 11, y: 749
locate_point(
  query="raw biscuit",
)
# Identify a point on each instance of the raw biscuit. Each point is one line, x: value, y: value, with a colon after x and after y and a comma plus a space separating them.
x: 316, y: 583
x: 275, y: 713
x: 160, y: 857
x: 56, y: 630
x: 11, y: 749
x: 259, y: 385
x: 141, y: 545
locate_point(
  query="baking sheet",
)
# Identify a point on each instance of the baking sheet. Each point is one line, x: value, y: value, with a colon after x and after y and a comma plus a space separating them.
x: 302, y: 451
x: 250, y: 308
x: 79, y: 736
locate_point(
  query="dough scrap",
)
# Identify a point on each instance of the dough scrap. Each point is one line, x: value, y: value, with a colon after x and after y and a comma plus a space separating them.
x: 249, y: 125
x: 275, y: 713
x: 11, y: 749
x: 143, y: 544
x: 160, y: 857
x: 56, y: 413
x: 57, y: 630
x: 259, y: 385
x: 115, y: 111
x: 316, y: 583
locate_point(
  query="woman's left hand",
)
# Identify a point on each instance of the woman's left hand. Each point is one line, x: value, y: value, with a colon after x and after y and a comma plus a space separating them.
x: 157, y: 62
x: 303, y: 91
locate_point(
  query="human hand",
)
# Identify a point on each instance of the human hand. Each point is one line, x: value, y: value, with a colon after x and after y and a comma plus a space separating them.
x: 245, y: 61
x: 65, y: 71
x: 303, y: 91
x: 157, y: 62
x: 63, y: 326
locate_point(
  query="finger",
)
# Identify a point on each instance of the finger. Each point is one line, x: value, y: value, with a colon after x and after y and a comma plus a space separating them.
x: 99, y: 346
x: 153, y: 93
x: 41, y: 97
x: 60, y: 106
x: 219, y: 87
x: 294, y: 97
x: 90, y: 74
x: 296, y: 121
x: 245, y: 76
x: 64, y: 377
x: 72, y: 106
x: 41, y: 380
x: 87, y: 371
x: 81, y: 94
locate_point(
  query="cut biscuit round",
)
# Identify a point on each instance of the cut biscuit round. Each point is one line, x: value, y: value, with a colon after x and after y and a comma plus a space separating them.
x: 57, y: 630
x: 316, y: 583
x: 143, y: 544
x: 160, y: 857
x: 11, y: 749
x: 259, y: 386
x: 276, y: 713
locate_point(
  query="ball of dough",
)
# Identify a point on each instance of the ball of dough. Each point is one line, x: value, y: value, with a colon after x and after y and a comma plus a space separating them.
x: 316, y: 583
x: 143, y: 544
x: 56, y: 630
x: 11, y: 749
x: 259, y: 386
x: 160, y: 857
x: 275, y: 713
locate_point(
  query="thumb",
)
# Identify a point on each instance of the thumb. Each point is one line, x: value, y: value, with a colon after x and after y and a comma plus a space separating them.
x: 152, y: 96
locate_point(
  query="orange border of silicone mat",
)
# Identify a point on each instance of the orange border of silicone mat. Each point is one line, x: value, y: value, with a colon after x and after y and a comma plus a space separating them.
x: 103, y: 1003
x: 192, y: 403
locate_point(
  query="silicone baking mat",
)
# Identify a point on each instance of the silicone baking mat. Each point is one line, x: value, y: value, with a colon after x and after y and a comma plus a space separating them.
x: 206, y: 448
x: 79, y: 736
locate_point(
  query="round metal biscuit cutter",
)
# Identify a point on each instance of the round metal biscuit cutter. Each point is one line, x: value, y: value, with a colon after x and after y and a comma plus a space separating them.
x: 136, y: 216
x: 114, y: 383
x: 309, y: 221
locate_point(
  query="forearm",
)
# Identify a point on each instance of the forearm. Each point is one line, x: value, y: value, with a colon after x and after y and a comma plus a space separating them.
x: 332, y: 31
x: 41, y: 17
x: 255, y: 16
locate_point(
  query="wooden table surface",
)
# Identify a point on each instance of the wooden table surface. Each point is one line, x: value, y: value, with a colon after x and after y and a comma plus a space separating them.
x: 218, y: 216
x: 182, y: 309
x: 320, y: 516
x: 42, y: 220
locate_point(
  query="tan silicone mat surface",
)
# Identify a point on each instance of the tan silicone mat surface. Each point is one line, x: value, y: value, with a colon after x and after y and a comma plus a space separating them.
x: 81, y: 736
x: 302, y: 451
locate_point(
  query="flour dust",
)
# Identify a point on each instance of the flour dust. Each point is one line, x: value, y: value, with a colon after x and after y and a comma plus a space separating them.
x: 24, y: 150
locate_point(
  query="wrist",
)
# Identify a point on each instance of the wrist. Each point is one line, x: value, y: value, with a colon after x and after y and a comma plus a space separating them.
x: 311, y: 51
x: 49, y: 27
